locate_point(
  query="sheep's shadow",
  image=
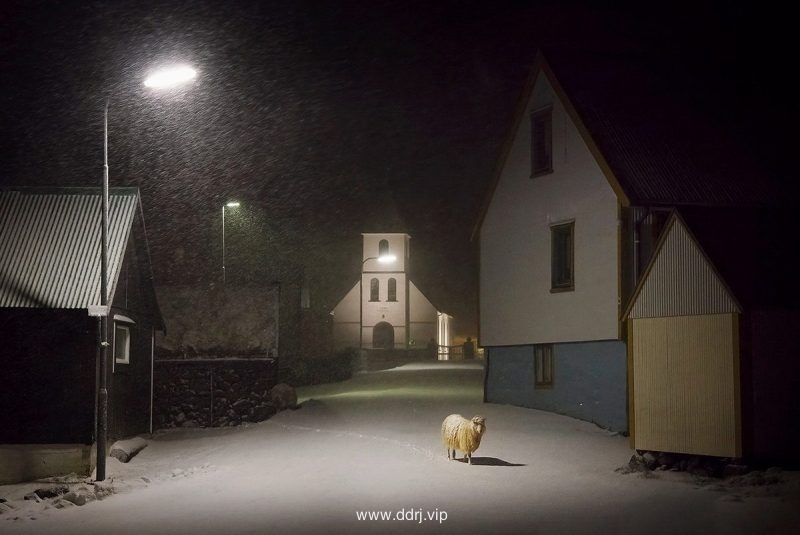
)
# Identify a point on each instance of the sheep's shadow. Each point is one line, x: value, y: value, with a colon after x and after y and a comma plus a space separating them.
x: 489, y: 461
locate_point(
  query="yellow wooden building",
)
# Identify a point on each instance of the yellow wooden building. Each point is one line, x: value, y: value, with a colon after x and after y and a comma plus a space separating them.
x: 712, y: 340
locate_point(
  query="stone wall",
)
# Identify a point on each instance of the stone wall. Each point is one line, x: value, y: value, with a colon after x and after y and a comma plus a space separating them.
x: 212, y: 392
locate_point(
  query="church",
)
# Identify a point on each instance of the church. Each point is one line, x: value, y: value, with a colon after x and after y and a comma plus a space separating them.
x: 385, y: 309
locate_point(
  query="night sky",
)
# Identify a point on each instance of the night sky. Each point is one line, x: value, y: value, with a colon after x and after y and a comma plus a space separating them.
x: 328, y: 119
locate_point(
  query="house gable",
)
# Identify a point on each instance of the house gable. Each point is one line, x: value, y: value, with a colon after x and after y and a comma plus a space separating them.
x: 347, y: 309
x: 517, y: 303
x: 681, y: 280
x: 420, y: 308
x: 541, y: 70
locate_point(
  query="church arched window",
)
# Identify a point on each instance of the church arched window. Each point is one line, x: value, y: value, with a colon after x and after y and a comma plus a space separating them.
x: 392, y: 290
x: 383, y: 247
x: 374, y: 288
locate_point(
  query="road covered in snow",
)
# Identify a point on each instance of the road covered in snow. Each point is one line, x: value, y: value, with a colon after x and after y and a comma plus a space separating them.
x: 364, y: 456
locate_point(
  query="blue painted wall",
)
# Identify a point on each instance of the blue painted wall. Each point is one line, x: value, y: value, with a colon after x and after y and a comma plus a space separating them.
x: 589, y: 381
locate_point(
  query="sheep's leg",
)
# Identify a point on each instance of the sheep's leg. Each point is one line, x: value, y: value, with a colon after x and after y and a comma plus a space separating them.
x: 469, y: 457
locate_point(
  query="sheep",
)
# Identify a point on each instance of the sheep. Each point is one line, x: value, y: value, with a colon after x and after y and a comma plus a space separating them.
x: 458, y: 433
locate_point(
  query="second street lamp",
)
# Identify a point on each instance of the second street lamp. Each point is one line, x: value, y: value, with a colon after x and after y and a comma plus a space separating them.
x: 232, y: 204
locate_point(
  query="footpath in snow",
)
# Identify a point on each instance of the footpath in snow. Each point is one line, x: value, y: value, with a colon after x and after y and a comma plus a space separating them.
x: 364, y: 456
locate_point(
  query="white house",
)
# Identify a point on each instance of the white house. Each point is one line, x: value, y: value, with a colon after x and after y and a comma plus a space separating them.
x: 385, y: 309
x: 598, y: 151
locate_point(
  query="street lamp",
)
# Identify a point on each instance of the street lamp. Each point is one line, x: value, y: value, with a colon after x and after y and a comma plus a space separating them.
x: 383, y: 259
x: 163, y: 78
x: 170, y: 77
x: 232, y: 204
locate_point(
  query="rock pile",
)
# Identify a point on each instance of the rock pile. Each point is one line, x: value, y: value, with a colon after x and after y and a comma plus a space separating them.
x: 698, y: 465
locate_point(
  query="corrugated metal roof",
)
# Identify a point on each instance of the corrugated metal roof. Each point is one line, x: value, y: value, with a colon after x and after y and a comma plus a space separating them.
x: 50, y: 245
x: 721, y: 259
x: 681, y: 281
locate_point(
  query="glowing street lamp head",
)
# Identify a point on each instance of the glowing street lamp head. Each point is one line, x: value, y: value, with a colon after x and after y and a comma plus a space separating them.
x: 232, y: 204
x: 387, y: 258
x: 170, y: 77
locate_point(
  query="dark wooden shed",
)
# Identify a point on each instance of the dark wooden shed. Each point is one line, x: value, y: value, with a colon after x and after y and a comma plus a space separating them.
x: 49, y: 281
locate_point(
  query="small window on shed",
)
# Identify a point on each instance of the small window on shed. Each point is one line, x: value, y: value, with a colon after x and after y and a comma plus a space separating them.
x: 542, y: 142
x: 122, y: 344
x: 543, y: 365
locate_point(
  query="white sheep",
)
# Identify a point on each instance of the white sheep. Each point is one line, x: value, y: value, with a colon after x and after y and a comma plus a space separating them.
x: 458, y: 433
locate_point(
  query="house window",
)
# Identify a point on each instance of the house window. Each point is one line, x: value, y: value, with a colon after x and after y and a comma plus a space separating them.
x: 374, y: 288
x: 543, y: 365
x: 122, y: 344
x: 383, y: 247
x: 562, y: 257
x: 542, y: 142
x: 392, y: 290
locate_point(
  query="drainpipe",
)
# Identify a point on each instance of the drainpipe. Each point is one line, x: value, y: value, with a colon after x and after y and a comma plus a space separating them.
x: 636, y: 241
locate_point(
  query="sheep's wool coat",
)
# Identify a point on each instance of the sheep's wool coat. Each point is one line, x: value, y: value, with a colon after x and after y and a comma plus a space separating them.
x: 458, y: 433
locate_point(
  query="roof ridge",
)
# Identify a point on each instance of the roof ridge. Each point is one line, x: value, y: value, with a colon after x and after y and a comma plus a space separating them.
x: 70, y: 190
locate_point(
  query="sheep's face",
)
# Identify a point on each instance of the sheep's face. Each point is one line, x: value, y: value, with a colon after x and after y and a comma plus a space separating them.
x: 479, y: 422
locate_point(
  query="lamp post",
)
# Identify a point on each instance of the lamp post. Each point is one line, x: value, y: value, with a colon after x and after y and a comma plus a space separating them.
x: 164, y: 78
x: 383, y: 259
x: 232, y: 204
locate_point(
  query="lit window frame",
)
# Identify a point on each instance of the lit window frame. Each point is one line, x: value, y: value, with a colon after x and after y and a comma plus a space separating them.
x: 125, y: 357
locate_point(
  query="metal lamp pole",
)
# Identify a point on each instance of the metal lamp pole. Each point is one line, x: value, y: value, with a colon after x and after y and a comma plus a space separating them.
x: 226, y: 205
x: 162, y: 79
x: 223, y: 245
x: 102, y: 392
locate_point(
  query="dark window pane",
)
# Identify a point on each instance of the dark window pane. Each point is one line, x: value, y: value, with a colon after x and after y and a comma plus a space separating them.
x: 374, y: 290
x: 562, y: 262
x: 541, y: 142
x: 543, y: 365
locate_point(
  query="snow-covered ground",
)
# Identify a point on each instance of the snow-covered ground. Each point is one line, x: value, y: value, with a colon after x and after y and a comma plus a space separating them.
x: 372, y: 444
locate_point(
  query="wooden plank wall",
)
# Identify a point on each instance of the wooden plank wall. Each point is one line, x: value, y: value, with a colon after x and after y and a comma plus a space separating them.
x: 686, y: 384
